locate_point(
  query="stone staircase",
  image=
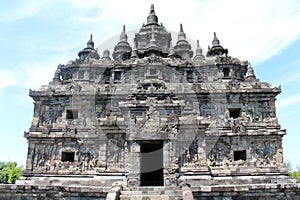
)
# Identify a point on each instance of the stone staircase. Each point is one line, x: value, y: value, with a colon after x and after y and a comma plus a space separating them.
x: 153, y: 193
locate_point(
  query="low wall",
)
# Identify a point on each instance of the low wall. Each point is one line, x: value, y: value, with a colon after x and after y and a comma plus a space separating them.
x: 34, y: 192
x: 218, y: 192
x: 248, y: 192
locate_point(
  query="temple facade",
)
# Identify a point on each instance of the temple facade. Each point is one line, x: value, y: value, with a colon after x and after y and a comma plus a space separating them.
x: 154, y: 115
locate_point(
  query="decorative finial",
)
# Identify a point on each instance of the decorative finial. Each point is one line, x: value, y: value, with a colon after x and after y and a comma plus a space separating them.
x: 90, y: 43
x: 152, y: 11
x: 215, y: 41
x: 181, y: 34
x: 198, y: 49
x: 251, y: 75
x: 57, y: 74
x: 123, y: 36
x: 250, y: 70
x: 152, y: 18
x: 106, y: 55
x: 199, y: 55
x: 122, y: 49
x: 216, y: 49
x: 181, y: 28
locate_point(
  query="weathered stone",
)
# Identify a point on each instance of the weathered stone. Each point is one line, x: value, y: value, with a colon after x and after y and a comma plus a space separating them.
x: 187, y: 193
x: 155, y: 116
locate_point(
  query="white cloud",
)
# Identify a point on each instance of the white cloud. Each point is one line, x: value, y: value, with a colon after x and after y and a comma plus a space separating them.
x: 25, y: 8
x: 7, y: 80
x: 254, y: 30
x: 291, y: 78
x: 86, y: 19
x: 288, y: 101
x: 37, y: 74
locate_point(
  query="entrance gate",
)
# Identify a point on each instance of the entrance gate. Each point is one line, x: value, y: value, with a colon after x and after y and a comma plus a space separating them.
x: 152, y: 163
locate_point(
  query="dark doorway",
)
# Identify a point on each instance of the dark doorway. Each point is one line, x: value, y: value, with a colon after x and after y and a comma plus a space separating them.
x: 152, y: 163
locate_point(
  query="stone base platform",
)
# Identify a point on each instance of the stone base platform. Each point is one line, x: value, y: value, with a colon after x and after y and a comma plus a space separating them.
x: 218, y: 192
x: 114, y: 187
x: 99, y: 180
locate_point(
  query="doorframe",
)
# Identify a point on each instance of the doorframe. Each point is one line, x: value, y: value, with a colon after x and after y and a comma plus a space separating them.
x: 160, y: 172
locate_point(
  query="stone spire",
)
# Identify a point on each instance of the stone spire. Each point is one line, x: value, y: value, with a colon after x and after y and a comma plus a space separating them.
x: 144, y: 38
x: 57, y: 74
x: 152, y: 18
x: 134, y: 52
x: 122, y: 50
x: 199, y: 55
x: 251, y: 76
x: 106, y: 55
x: 215, y: 41
x: 181, y: 34
x: 89, y: 51
x: 182, y: 47
x: 216, y: 49
x: 90, y: 43
x: 123, y: 36
x: 198, y: 49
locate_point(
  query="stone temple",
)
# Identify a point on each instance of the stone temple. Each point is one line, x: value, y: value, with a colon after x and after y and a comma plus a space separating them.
x: 156, y: 121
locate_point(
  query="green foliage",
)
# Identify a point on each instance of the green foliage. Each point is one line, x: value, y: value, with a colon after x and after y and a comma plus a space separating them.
x: 9, y: 172
x: 295, y: 175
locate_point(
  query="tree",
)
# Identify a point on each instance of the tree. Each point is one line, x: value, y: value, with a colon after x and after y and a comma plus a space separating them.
x: 14, y: 175
x: 9, y: 172
x: 295, y: 175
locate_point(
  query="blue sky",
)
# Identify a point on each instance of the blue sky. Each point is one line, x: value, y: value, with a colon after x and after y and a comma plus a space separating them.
x: 37, y: 35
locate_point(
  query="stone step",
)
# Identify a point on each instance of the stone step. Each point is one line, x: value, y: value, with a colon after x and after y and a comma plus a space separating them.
x: 147, y: 197
x: 148, y: 188
x: 132, y: 192
x: 153, y: 190
x: 152, y: 193
x: 174, y: 192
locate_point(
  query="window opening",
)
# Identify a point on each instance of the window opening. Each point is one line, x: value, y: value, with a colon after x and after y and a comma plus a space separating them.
x: 226, y: 72
x: 239, y: 155
x: 234, y: 112
x: 67, y: 156
x: 72, y: 114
